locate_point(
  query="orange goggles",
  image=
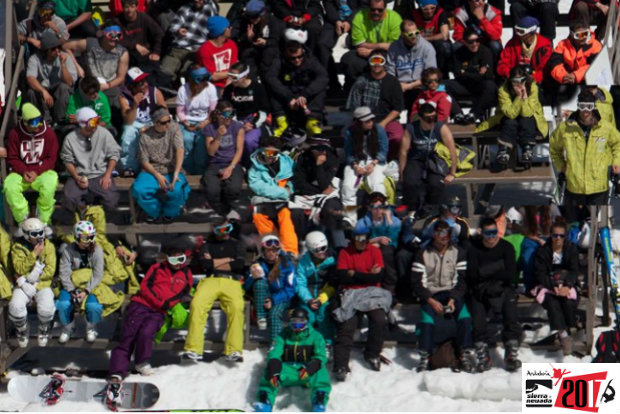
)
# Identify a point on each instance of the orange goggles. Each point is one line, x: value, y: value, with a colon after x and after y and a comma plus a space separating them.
x: 377, y: 60
x: 271, y: 152
x: 93, y: 122
x: 581, y: 35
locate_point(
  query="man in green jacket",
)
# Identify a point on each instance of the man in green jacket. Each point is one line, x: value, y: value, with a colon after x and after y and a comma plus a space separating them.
x: 89, y: 94
x: 297, y: 357
x: 583, y: 148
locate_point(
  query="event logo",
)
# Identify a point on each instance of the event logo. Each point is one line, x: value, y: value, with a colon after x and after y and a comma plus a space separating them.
x: 539, y: 393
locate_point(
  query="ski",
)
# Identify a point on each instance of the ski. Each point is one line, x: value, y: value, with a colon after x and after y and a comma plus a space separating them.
x: 608, y: 254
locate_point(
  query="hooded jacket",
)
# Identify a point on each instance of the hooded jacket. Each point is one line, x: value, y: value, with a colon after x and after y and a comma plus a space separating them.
x: 586, y: 162
x: 267, y: 188
x: 490, y: 25
x: 311, y: 280
x: 36, y: 152
x: 306, y: 348
x: 511, y: 57
x: 441, y: 99
x: 162, y: 288
x: 283, y: 289
x: 566, y: 58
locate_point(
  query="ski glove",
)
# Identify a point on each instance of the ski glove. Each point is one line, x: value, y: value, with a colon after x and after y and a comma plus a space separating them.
x: 275, y: 380
x: 36, y: 272
x: 302, y: 373
x: 29, y: 289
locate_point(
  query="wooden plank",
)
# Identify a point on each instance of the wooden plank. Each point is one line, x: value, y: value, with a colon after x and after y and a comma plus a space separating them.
x: 543, y: 173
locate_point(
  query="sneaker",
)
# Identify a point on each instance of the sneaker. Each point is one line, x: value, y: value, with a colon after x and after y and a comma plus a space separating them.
x: 313, y: 127
x: 234, y: 357
x: 483, y: 359
x: 470, y: 118
x: 167, y: 219
x: 527, y: 155
x: 502, y: 157
x: 261, y: 407
x: 190, y: 356
x: 233, y: 215
x: 91, y: 335
x: 423, y: 365
x: 262, y: 324
x: 459, y: 118
x: 341, y: 373
x: 318, y: 404
x: 511, y: 356
x: 151, y: 220
x: 145, y: 369
x: 281, y: 126
x: 129, y: 173
x: 466, y: 358
x: 64, y: 337
x: 375, y: 363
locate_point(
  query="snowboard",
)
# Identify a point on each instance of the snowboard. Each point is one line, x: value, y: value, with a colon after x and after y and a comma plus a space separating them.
x: 135, y: 394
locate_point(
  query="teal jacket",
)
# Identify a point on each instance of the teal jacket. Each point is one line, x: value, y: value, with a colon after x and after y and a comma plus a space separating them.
x: 384, y: 229
x: 264, y: 185
x: 310, y: 278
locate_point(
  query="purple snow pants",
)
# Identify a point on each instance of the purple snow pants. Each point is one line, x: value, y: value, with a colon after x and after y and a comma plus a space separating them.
x: 139, y: 328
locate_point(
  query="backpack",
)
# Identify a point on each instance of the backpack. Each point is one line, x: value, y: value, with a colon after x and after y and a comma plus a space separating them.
x: 607, y: 347
x: 439, y: 160
x: 444, y: 356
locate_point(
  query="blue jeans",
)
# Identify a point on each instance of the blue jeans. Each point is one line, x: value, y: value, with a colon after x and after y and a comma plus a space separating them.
x: 64, y: 305
x: 154, y: 201
x: 130, y: 143
x: 195, y: 162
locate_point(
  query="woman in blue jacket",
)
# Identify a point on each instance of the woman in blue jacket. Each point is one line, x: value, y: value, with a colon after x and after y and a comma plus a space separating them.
x: 314, y: 272
x: 272, y: 281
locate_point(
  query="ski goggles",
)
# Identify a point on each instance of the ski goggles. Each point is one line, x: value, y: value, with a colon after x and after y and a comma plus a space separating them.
x: 319, y: 250
x: 177, y: 260
x: 226, y: 114
x: 297, y: 324
x: 238, y: 76
x: 586, y: 106
x: 86, y: 238
x: 223, y: 229
x: 522, y: 31
x: 377, y: 60
x: 442, y: 232
x: 36, y: 234
x: 518, y: 80
x: 45, y: 13
x: 584, y: 34
x: 271, y: 244
x: 91, y: 123
x: 35, y: 122
x: 113, y: 32
x: 271, y: 152
x: 411, y: 35
x: 558, y: 235
x: 361, y: 238
x: 377, y: 206
x: 489, y: 234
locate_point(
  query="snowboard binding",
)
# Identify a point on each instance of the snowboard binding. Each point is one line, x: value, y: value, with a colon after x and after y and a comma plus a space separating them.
x: 53, y: 390
x: 113, y: 397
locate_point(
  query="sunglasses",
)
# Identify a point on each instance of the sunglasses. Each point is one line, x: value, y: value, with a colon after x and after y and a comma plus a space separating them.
x: 411, y: 35
x: 297, y: 57
x: 519, y: 81
x: 489, y: 234
x: 319, y: 250
x: 87, y: 238
x: 581, y: 35
x: 223, y: 230
x: 442, y: 232
x: 377, y: 9
x: 35, y: 234
x: 433, y: 80
x: 429, y: 119
x: 35, y: 122
x: 177, y: 260
x: 114, y: 35
x: 376, y: 206
x: 271, y: 244
x: 226, y: 114
x: 376, y: 61
x: 472, y: 41
x: 586, y: 106
x: 164, y: 122
x: 271, y: 153
x: 558, y: 235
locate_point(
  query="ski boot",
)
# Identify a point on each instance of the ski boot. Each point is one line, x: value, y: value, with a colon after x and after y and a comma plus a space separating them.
x: 53, y: 390
x: 145, y: 369
x: 526, y: 156
x: 483, y: 358
x: 234, y: 357
x: 341, y: 373
x: 113, y: 396
x: 282, y: 125
x: 423, y: 365
x: 44, y: 333
x: 318, y: 404
x: 190, y: 356
x: 91, y: 333
x: 465, y: 360
x: 313, y: 127
x: 511, y: 355
x: 374, y: 362
x: 23, y: 330
x: 502, y: 158
x: 262, y: 406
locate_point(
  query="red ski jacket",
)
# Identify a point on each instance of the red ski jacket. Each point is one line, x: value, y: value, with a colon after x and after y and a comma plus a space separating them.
x: 161, y: 289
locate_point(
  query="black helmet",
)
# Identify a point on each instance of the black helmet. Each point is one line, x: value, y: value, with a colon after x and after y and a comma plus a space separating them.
x: 297, y: 319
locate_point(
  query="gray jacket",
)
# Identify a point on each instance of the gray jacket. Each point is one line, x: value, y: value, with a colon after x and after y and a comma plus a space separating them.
x: 407, y: 64
x: 432, y: 273
x: 362, y: 300
x: 90, y: 157
x: 70, y: 260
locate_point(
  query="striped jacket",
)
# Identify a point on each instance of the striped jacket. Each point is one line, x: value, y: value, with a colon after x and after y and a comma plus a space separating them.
x: 433, y: 273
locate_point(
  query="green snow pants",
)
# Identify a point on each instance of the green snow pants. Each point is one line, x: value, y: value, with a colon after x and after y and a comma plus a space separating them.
x: 45, y: 184
x: 289, y: 376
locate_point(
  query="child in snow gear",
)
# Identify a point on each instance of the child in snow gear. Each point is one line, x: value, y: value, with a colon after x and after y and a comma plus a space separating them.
x: 80, y: 272
x: 164, y: 285
x: 272, y: 281
x: 438, y: 279
x: 34, y: 262
x: 360, y: 272
x: 222, y: 259
x: 490, y: 268
x: 297, y: 357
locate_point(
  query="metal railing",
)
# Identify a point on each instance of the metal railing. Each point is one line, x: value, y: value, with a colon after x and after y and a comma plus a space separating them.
x: 612, y: 40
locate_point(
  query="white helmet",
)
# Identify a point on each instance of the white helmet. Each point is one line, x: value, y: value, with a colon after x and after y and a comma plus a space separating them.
x: 84, y: 229
x: 514, y: 216
x: 316, y: 240
x: 33, y: 227
x: 270, y: 241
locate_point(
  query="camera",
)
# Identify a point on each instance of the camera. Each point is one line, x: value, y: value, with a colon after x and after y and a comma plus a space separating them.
x: 447, y: 309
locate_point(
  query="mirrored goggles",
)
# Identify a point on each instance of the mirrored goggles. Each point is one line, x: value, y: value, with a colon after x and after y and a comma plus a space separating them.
x: 376, y: 206
x: 519, y: 80
x: 271, y: 152
x: 92, y: 122
x: 377, y: 60
x: 411, y: 35
x: 86, y: 238
x: 584, y: 34
x: 177, y: 260
x: 223, y: 229
x: 114, y: 35
x: 489, y: 234
x: 586, y: 106
x: 319, y: 250
x: 271, y: 244
x: 297, y: 324
x: 35, y: 122
x: 361, y: 238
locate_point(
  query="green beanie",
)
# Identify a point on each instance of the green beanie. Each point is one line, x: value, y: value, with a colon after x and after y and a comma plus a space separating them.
x: 29, y: 111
